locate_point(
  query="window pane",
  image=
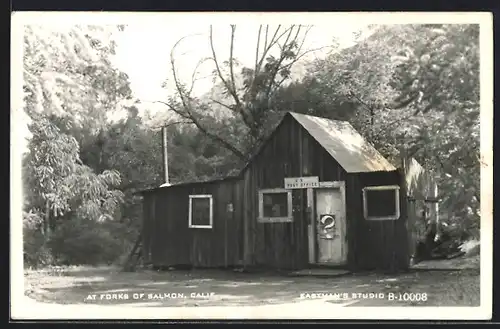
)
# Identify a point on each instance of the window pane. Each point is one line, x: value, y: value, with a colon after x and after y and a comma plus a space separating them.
x: 380, y: 203
x: 275, y: 204
x: 200, y: 211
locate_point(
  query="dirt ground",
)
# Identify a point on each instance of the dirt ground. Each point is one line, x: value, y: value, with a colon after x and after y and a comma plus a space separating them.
x: 110, y: 286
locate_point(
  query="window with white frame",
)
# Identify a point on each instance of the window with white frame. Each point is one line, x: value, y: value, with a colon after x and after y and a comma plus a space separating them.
x: 381, y: 202
x: 275, y: 205
x: 201, y: 211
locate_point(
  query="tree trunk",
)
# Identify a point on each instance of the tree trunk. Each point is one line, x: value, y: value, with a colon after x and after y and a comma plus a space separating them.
x: 46, y: 222
x: 372, y: 115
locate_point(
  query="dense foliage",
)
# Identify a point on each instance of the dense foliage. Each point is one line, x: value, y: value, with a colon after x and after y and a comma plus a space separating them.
x: 417, y: 88
x: 410, y: 88
x: 71, y: 191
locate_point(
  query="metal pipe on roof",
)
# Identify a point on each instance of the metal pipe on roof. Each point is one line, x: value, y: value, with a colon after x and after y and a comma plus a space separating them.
x: 165, y: 157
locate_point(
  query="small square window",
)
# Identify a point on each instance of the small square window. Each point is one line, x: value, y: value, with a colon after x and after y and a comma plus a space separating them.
x: 200, y: 211
x: 381, y: 202
x: 275, y: 205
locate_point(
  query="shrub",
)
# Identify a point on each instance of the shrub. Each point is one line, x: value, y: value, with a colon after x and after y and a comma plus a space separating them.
x: 36, y: 253
x: 84, y: 242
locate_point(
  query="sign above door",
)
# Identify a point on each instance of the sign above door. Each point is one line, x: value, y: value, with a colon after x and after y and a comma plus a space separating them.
x: 301, y: 182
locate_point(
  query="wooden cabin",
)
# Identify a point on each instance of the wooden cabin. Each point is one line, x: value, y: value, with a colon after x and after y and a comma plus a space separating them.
x: 315, y: 194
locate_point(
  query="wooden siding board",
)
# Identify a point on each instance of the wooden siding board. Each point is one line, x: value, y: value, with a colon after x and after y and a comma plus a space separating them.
x: 148, y: 218
x: 404, y: 256
x: 285, y: 245
x: 418, y: 184
x: 382, y: 244
x: 237, y: 236
x: 174, y: 243
x: 352, y: 214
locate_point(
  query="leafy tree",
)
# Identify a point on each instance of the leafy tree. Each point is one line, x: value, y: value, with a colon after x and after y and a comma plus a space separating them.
x: 416, y: 88
x: 195, y: 156
x: 245, y: 94
x: 311, y: 96
x: 57, y: 184
x: 135, y: 152
x: 70, y: 91
x: 439, y: 77
x: 68, y: 73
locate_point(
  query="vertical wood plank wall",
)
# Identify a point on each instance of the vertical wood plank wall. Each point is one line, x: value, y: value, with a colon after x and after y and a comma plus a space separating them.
x: 290, y: 152
x: 237, y: 238
x: 375, y: 244
x: 419, y: 185
x: 172, y: 241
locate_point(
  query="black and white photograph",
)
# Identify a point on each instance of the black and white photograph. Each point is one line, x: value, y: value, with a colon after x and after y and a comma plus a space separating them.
x: 223, y: 165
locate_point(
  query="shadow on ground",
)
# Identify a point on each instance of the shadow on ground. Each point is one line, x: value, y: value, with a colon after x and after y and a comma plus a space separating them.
x: 228, y: 288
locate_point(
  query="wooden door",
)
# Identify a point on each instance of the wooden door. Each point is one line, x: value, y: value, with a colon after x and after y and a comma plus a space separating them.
x: 330, y: 227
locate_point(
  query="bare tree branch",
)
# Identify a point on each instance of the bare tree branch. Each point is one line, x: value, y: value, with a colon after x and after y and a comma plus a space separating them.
x: 295, y: 60
x: 222, y: 104
x: 303, y: 54
x: 283, y: 55
x: 200, y: 126
x: 189, y: 108
x: 267, y: 33
x: 268, y: 44
x: 289, y: 34
x: 195, y: 71
x: 239, y: 109
x: 266, y: 50
x: 219, y: 72
x: 171, y: 124
x: 308, y: 29
x: 231, y: 49
x: 176, y: 111
x: 226, y: 144
x: 258, y: 44
x: 187, y: 112
x: 176, y: 80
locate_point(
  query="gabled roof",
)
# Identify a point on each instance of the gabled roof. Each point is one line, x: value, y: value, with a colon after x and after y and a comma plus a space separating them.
x: 344, y: 144
x: 338, y: 138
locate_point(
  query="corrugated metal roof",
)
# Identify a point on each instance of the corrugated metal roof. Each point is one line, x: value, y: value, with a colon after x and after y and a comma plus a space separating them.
x: 344, y: 144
